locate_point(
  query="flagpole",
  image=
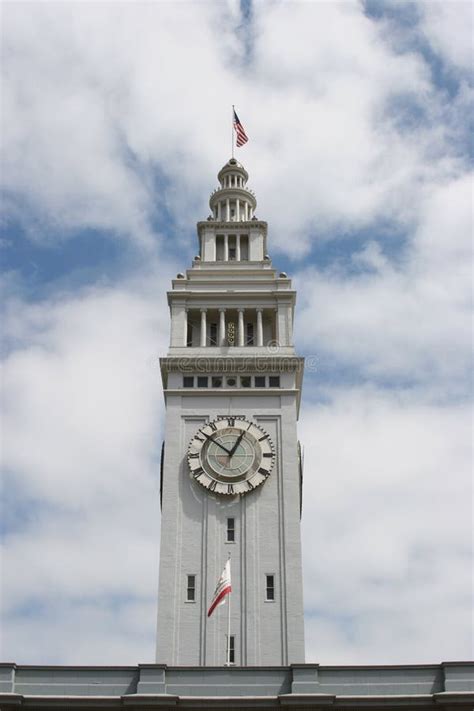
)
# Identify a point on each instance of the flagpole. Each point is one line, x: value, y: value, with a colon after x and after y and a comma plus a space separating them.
x: 232, y: 137
x: 228, y: 627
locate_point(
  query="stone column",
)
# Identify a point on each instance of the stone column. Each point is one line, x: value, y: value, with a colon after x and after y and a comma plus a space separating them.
x: 240, y: 334
x: 277, y: 328
x: 283, y: 325
x: 222, y: 327
x: 219, y: 211
x: 203, y: 328
x: 227, y: 210
x: 237, y: 248
x: 185, y: 338
x: 226, y: 248
x: 259, y: 328
x: 290, y: 325
x: 237, y: 210
x: 246, y: 211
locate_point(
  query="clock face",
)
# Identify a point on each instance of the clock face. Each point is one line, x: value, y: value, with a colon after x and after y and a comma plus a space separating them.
x: 230, y: 456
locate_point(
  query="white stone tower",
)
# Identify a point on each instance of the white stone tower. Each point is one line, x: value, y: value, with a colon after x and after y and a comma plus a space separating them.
x: 231, y: 472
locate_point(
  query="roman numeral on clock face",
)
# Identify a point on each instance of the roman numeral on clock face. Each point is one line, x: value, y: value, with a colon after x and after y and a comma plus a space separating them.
x: 212, y: 426
x: 197, y: 472
x: 193, y: 455
x: 262, y: 438
x: 263, y: 471
x: 268, y: 454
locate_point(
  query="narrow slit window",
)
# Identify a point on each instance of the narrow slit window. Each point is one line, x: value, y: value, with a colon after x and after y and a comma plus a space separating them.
x: 232, y: 649
x: 191, y: 588
x: 270, y: 588
x: 213, y: 334
x: 250, y: 338
x: 189, y: 335
x: 230, y: 530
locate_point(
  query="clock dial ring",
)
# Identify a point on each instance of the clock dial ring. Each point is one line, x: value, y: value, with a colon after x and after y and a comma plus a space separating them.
x: 230, y: 456
x: 224, y: 465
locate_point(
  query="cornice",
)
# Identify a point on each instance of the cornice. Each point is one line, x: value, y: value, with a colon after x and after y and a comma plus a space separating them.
x: 229, y: 363
x: 232, y: 192
x: 230, y: 300
x: 232, y: 226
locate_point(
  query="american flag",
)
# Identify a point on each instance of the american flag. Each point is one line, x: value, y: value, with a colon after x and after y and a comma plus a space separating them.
x: 242, y: 137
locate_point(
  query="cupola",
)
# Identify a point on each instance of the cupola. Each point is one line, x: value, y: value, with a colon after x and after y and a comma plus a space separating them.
x: 233, y: 201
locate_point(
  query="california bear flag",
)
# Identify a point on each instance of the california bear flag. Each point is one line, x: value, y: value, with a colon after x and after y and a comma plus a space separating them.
x: 223, y: 588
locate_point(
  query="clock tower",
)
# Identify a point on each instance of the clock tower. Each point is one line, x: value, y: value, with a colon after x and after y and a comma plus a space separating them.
x: 231, y: 474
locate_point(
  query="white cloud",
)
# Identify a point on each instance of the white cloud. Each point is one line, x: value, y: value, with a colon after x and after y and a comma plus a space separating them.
x: 81, y: 429
x: 388, y: 510
x: 449, y: 28
x: 84, y: 382
x: 88, y: 110
x: 93, y: 116
x: 82, y: 632
x: 117, y: 117
x: 407, y: 317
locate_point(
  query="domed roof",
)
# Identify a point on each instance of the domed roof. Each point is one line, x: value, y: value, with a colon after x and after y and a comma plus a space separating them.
x: 233, y: 166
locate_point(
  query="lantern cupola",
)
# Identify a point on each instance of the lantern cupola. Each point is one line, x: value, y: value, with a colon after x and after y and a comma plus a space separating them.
x: 233, y: 201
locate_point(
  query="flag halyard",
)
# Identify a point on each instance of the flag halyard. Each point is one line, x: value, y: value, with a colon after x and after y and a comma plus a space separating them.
x: 223, y: 588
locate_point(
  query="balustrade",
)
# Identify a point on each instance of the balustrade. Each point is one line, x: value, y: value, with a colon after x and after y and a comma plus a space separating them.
x: 230, y: 327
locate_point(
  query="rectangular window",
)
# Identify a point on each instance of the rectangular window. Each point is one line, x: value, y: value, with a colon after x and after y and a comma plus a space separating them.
x: 249, y: 329
x: 232, y: 649
x: 202, y: 381
x: 244, y: 248
x: 259, y: 381
x: 232, y: 253
x: 270, y: 588
x: 220, y: 248
x: 274, y: 381
x: 230, y: 530
x: 216, y: 381
x: 213, y: 334
x: 191, y: 588
x: 245, y: 381
x: 188, y: 381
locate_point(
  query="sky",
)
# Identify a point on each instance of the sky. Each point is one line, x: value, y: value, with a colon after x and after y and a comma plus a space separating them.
x: 116, y: 120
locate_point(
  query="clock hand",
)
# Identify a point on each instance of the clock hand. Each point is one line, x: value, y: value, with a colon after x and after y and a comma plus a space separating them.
x: 239, y: 439
x: 209, y: 437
